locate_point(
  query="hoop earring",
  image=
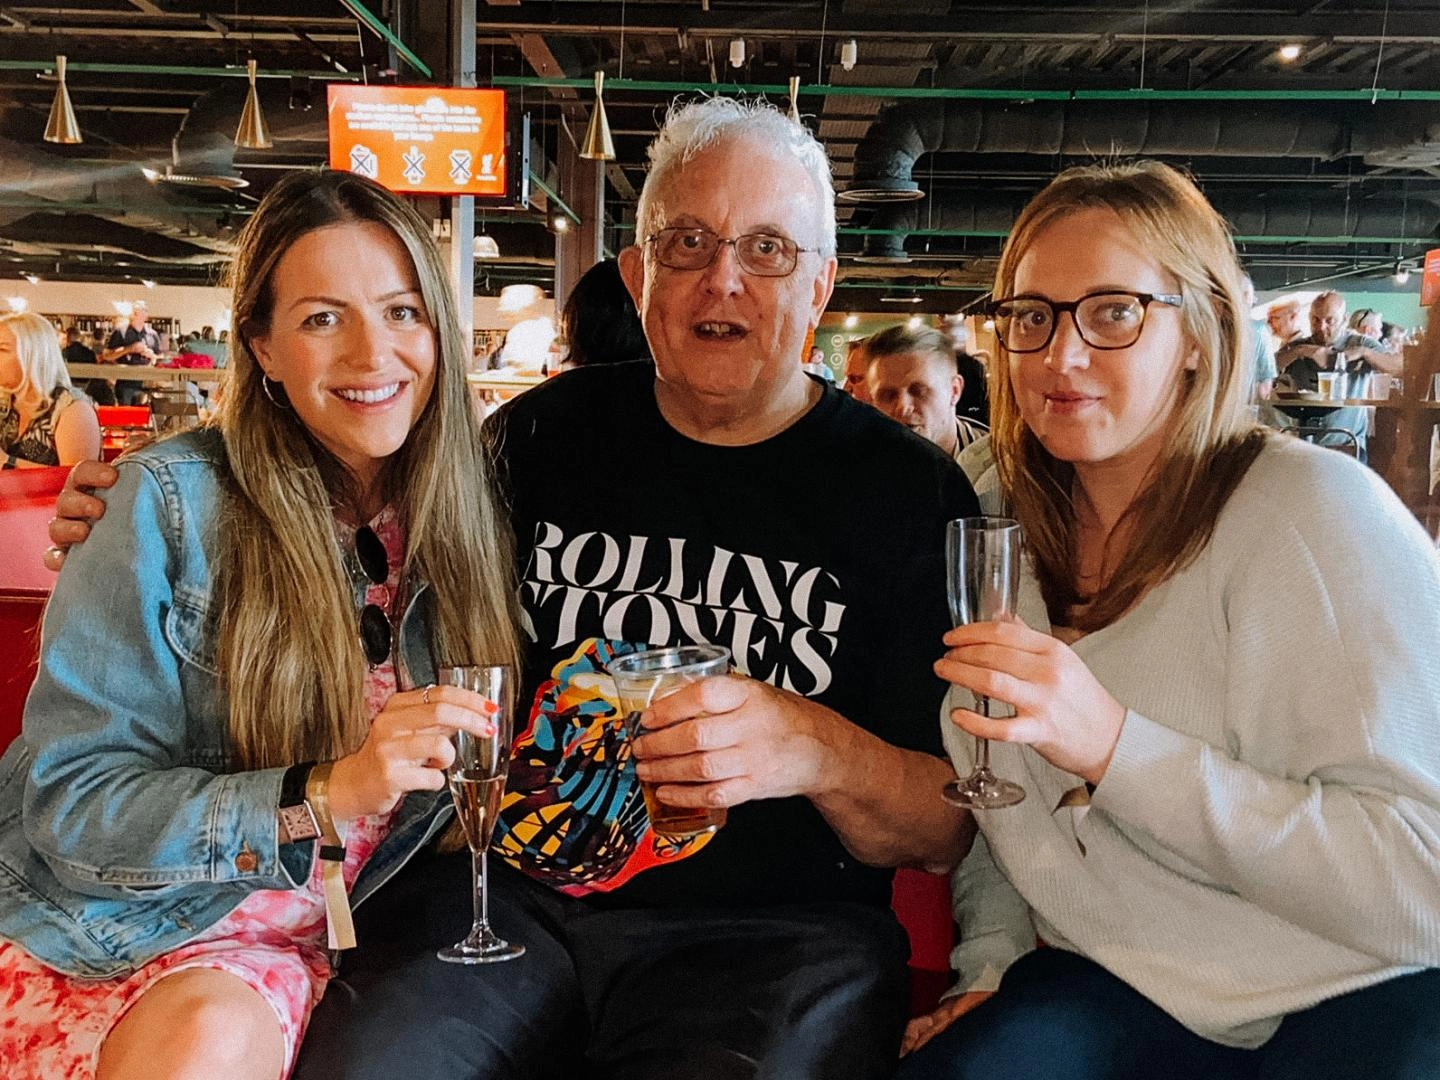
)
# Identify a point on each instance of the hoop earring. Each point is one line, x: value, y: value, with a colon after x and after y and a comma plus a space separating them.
x: 265, y: 381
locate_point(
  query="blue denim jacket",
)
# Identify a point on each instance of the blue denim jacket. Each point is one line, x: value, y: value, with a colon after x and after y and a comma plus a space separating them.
x: 124, y: 828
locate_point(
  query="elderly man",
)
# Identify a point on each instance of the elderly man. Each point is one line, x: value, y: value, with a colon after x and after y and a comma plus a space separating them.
x: 670, y: 504
x: 912, y: 379
x: 1332, y: 346
x: 137, y: 344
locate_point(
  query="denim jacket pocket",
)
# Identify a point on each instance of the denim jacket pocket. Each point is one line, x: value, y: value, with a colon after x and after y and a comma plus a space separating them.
x: 192, y: 630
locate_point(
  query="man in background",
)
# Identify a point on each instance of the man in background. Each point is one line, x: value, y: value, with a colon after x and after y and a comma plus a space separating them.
x: 135, y: 345
x: 912, y: 379
x: 77, y: 352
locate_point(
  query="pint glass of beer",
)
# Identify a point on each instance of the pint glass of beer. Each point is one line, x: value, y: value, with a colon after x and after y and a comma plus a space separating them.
x: 643, y: 678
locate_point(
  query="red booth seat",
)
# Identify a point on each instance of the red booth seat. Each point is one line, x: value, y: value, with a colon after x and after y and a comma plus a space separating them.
x: 27, y: 502
x: 922, y: 904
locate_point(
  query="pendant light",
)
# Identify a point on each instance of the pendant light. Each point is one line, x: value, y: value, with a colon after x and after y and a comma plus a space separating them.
x: 794, y: 94
x: 61, y: 127
x: 252, y: 133
x: 598, y: 145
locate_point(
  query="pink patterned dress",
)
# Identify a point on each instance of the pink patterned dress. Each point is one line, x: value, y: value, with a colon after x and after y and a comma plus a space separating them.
x: 52, y: 1025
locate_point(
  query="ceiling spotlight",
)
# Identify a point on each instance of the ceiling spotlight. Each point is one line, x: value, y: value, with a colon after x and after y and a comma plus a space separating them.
x: 560, y: 223
x: 147, y: 282
x: 1289, y: 52
x: 1402, y: 273
x: 852, y: 321
x: 849, y: 53
x: 34, y: 279
x: 794, y: 112
x: 61, y: 127
x: 737, y: 52
x: 916, y: 322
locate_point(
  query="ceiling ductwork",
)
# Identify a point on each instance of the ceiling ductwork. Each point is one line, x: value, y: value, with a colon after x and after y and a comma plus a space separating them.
x: 1386, y: 134
x: 1321, y: 215
x: 175, y: 213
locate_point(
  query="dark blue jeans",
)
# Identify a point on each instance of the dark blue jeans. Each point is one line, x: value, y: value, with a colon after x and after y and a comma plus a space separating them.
x: 1059, y: 1016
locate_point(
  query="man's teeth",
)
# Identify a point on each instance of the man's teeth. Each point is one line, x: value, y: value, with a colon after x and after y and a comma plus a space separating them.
x: 719, y: 329
x: 371, y: 397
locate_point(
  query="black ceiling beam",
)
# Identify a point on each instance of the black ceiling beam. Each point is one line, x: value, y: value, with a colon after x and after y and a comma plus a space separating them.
x: 962, y: 25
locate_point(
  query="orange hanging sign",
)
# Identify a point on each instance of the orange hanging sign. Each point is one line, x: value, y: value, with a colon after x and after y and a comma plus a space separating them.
x: 433, y: 140
x: 1430, y: 278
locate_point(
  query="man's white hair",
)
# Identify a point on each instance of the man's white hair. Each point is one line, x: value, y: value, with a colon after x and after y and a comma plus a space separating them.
x: 696, y: 126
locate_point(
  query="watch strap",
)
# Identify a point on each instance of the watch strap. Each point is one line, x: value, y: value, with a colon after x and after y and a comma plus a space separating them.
x: 295, y: 815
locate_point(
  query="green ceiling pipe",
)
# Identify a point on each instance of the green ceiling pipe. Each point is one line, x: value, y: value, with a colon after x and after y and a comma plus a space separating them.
x: 559, y: 202
x: 361, y: 12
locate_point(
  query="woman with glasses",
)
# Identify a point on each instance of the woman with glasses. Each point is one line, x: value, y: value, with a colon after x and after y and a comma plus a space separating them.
x: 1223, y: 693
x: 214, y: 753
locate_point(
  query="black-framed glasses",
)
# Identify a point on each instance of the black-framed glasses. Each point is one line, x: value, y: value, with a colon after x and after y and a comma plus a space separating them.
x: 375, y: 635
x: 1112, y: 319
x: 761, y: 254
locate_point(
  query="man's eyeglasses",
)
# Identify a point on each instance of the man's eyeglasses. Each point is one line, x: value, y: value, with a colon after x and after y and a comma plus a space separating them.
x: 1105, y: 320
x: 374, y: 622
x: 761, y: 254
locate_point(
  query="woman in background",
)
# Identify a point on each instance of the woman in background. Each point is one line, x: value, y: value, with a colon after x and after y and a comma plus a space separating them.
x: 44, y: 420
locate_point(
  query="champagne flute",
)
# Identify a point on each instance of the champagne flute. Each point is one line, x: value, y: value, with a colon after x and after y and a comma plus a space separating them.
x: 477, y: 782
x: 982, y: 578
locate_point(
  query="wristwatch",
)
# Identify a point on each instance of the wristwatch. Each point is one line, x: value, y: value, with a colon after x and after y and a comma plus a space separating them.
x: 297, y: 819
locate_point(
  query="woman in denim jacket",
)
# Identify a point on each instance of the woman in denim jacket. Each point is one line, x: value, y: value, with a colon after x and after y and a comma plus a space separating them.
x: 166, y: 834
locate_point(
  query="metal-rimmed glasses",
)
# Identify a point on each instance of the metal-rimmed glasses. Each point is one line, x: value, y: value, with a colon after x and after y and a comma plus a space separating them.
x: 1111, y: 319
x: 374, y: 562
x: 761, y: 254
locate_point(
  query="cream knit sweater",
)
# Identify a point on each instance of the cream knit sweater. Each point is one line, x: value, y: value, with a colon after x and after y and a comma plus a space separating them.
x: 1268, y: 832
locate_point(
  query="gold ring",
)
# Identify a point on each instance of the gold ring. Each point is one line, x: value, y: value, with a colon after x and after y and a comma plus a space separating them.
x: 425, y: 694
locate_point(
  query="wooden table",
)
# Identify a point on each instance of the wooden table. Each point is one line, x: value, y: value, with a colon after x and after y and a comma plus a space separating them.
x: 144, y: 373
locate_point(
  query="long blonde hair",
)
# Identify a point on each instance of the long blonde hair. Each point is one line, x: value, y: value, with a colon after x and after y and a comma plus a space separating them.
x: 290, y: 653
x: 42, y: 365
x: 1212, y: 441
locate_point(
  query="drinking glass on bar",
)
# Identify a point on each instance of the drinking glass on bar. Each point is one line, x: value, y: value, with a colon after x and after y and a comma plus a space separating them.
x: 982, y: 577
x: 642, y: 678
x: 477, y: 782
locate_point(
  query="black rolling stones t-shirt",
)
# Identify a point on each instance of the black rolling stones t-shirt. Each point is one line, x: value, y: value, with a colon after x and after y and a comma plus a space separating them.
x: 814, y: 556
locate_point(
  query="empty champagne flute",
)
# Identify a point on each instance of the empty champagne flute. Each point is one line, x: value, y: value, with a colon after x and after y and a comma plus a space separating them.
x: 982, y: 578
x: 477, y: 782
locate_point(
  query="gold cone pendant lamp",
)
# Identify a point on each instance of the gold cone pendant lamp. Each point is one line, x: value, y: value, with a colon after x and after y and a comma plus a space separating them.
x: 61, y: 127
x: 252, y: 134
x: 794, y: 94
x: 598, y: 145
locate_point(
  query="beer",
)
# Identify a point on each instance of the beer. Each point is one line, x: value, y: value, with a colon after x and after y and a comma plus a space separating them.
x: 675, y: 822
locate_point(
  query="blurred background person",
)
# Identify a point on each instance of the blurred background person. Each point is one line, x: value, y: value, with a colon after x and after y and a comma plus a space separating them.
x: 912, y: 380
x: 77, y: 352
x: 44, y: 419
x: 134, y: 344
x: 857, y: 364
x: 974, y: 403
x: 599, y: 323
